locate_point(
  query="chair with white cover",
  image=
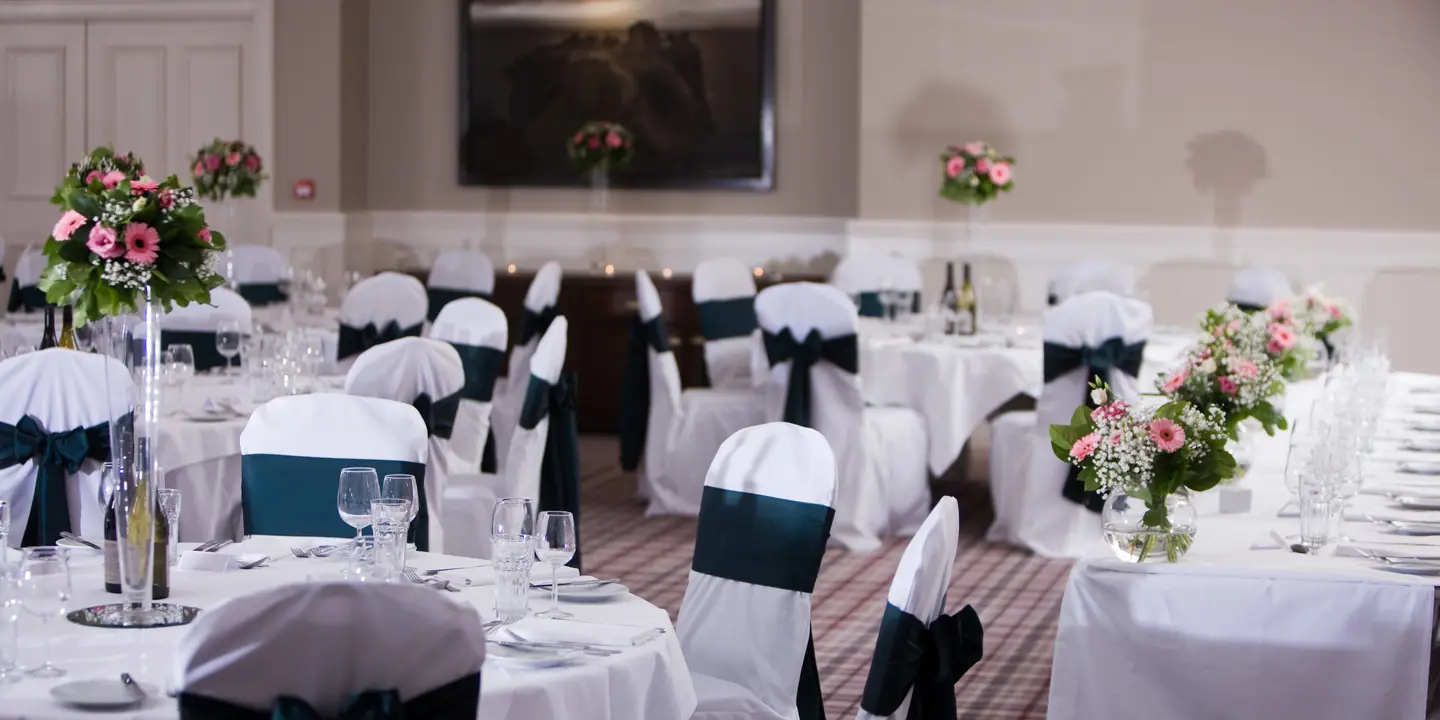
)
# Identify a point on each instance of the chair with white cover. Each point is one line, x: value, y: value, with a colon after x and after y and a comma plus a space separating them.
x: 763, y: 528
x: 724, y: 293
x: 313, y: 650
x: 810, y: 341
x: 25, y: 293
x: 540, y: 300
x: 259, y: 271
x: 921, y: 652
x: 293, y: 449
x: 379, y: 309
x: 459, y: 274
x: 544, y: 461
x: 676, y: 431
x: 477, y: 330
x: 54, y: 437
x: 195, y: 325
x: 427, y: 375
x: 865, y: 275
x: 1256, y: 288
x: 1039, y: 501
x: 1091, y: 276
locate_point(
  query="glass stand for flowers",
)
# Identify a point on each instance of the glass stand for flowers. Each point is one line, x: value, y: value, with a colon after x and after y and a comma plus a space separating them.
x: 223, y: 216
x: 1132, y: 535
x: 599, y: 204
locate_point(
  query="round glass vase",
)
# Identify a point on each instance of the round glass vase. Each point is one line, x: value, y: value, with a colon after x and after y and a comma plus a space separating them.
x: 1242, y: 448
x: 1132, y: 539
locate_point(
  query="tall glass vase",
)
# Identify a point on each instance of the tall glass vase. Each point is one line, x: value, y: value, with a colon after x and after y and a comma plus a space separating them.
x: 599, y: 188
x: 223, y: 216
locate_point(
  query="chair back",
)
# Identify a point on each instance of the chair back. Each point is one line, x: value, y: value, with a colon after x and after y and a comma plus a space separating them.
x: 864, y: 275
x: 259, y: 270
x: 527, y: 448
x: 56, y: 399
x: 332, y: 646
x: 25, y: 293
x: 1091, y: 276
x: 650, y: 389
x: 764, y: 522
x: 378, y: 309
x: 459, y: 274
x: 724, y: 294
x: 1256, y: 288
x: 478, y: 331
x: 540, y: 311
x: 195, y: 325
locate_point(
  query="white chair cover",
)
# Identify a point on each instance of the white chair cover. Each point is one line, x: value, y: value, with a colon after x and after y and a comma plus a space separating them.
x: 540, y: 300
x: 477, y: 330
x: 258, y: 264
x: 63, y: 390
x: 1026, y: 478
x: 393, y: 303
x: 1090, y: 276
x: 1254, y: 288
x: 321, y: 433
x: 327, y: 642
x: 864, y: 275
x: 884, y: 482
x: 527, y: 447
x: 724, y: 294
x: 458, y: 274
x: 427, y: 374
x: 744, y: 624
x: 28, y: 268
x: 225, y: 304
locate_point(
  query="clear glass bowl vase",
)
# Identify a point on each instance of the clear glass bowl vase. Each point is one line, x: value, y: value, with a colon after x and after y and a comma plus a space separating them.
x: 1131, y: 539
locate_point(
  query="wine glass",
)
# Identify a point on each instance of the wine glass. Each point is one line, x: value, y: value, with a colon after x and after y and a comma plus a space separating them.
x: 399, y: 486
x: 5, y: 533
x: 227, y: 341
x: 358, y: 486
x: 169, y: 499
x: 555, y: 545
x: 45, y: 593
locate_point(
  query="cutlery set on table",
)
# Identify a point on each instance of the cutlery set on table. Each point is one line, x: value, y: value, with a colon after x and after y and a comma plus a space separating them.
x: 1401, y: 500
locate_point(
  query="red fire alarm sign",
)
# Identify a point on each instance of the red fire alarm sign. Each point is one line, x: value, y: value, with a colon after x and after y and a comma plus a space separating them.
x: 304, y: 190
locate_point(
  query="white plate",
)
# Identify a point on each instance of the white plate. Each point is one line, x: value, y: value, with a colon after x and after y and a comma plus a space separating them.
x: 1414, y: 467
x: 588, y: 593
x: 100, y: 694
x: 76, y: 547
x: 209, y: 418
x: 1412, y: 568
x: 533, y: 658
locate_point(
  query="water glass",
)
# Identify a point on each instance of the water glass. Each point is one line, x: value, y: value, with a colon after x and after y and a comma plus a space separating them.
x: 9, y: 625
x: 512, y: 539
x: 358, y: 487
x: 555, y: 545
x: 169, y: 499
x: 45, y: 593
x: 5, y: 533
x: 227, y: 341
x: 390, y: 519
x: 1317, y: 499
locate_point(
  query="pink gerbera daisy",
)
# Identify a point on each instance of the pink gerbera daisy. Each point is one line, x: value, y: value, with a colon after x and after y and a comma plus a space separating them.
x: 1173, y: 382
x: 1084, y: 447
x: 142, y: 244
x: 143, y: 185
x: 1167, y: 434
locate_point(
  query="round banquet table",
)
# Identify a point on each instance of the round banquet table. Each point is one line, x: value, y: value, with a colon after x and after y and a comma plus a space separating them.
x: 647, y: 682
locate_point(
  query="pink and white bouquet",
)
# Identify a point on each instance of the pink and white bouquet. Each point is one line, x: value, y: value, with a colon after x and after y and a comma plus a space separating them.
x: 974, y: 173
x: 1148, y: 454
x: 1314, y: 314
x: 1238, y: 367
x: 118, y: 235
x: 227, y: 168
x: 600, y: 145
x: 102, y: 165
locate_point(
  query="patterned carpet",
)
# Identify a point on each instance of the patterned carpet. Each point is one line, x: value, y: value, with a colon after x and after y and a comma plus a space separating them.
x: 1016, y: 594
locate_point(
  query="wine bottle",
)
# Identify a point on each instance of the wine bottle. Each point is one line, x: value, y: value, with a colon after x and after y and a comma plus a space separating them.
x: 969, y: 319
x: 48, y: 341
x: 160, y: 588
x: 67, y: 328
x: 111, y: 545
x: 950, y: 299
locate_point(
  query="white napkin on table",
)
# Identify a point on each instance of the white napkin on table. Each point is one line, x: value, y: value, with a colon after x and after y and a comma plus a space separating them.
x: 603, y: 634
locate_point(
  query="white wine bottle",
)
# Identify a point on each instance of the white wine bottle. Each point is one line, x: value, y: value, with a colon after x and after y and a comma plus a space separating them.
x: 950, y: 300
x: 967, y: 317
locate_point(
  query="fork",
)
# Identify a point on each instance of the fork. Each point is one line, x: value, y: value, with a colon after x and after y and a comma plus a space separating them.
x: 410, y: 574
x: 300, y: 552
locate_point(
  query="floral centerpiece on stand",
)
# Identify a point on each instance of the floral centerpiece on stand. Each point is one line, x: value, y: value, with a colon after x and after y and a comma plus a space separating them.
x: 1315, y: 315
x: 1145, y: 462
x: 601, y: 146
x: 974, y: 173
x: 1238, y: 367
x: 227, y: 168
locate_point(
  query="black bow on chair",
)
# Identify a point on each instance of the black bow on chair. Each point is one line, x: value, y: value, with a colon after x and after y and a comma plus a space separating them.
x: 354, y: 341
x: 560, y: 465
x: 842, y: 352
x: 29, y: 297
x: 58, y: 455
x: 929, y: 659
x: 635, y: 387
x: 535, y: 324
x: 482, y: 366
x: 457, y: 700
x: 1098, y: 362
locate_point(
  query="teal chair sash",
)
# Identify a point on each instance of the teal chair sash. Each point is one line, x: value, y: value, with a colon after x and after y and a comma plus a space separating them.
x: 28, y: 298
x: 930, y: 659
x: 722, y: 319
x: 57, y: 456
x: 870, y: 305
x: 458, y: 700
x: 262, y: 294
x: 1249, y: 307
x: 1113, y: 354
x: 293, y: 495
x: 842, y: 352
x: 535, y: 324
x: 762, y: 540
x: 482, y: 367
x: 202, y: 342
x: 355, y: 340
x: 560, y: 465
x: 440, y: 297
x: 635, y: 387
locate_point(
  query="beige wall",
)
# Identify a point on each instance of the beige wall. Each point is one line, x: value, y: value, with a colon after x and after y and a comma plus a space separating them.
x: 307, y: 102
x: 355, y: 105
x: 414, y: 59
x: 1301, y: 113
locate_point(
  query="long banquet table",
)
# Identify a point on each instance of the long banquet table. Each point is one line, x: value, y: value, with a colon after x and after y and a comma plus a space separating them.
x: 647, y: 682
x: 1244, y: 628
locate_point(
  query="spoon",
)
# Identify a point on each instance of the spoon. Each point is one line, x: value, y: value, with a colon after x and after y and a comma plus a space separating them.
x: 132, y: 687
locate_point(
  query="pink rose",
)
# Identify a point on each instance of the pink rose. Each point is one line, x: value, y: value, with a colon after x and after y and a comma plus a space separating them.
x: 167, y: 198
x: 975, y: 148
x: 613, y: 140
x: 1000, y: 174
x: 1334, y: 311
x: 594, y: 143
x: 1168, y: 435
x: 1173, y: 382
x: 142, y: 244
x: 232, y: 159
x: 1228, y: 385
x: 982, y: 165
x: 1084, y: 447
x: 113, y: 178
x: 204, y: 234
x: 103, y: 243
x: 143, y: 185
x: 1282, y: 335
x: 67, y: 225
x: 1280, y: 309
x: 93, y: 176
x: 199, y: 168
x: 579, y: 138
x: 1244, y: 368
x: 123, y: 157
x: 212, y: 162
x: 954, y: 166
x: 252, y: 162
x: 1204, y: 353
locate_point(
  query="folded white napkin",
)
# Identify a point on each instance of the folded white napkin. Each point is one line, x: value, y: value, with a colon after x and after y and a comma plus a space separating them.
x: 591, y: 633
x: 215, y: 562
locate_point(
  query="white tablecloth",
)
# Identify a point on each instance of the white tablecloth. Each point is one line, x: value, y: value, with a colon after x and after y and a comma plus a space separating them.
x: 20, y: 331
x: 649, y: 682
x: 1241, y: 628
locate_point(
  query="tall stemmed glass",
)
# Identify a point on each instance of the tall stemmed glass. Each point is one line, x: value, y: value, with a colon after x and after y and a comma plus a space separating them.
x: 358, y: 487
x: 555, y: 545
x: 9, y: 625
x: 227, y: 341
x: 45, y: 593
x: 399, y: 486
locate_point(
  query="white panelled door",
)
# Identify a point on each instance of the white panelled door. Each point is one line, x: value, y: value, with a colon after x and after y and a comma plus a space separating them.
x: 163, y: 89
x: 42, y: 122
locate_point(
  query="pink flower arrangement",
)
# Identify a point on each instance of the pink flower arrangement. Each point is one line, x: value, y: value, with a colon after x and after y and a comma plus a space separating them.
x: 601, y: 145
x: 67, y: 225
x: 1231, y: 369
x: 1167, y: 434
x: 974, y: 173
x: 227, y: 168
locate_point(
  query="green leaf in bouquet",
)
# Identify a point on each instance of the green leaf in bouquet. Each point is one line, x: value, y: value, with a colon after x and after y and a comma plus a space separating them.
x: 84, y: 203
x: 73, y: 251
x: 1156, y: 516
x: 1090, y: 478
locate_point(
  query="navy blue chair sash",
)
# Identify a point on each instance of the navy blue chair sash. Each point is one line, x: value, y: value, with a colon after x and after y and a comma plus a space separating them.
x: 723, y: 319
x: 482, y: 366
x: 293, y: 495
x: 929, y: 659
x: 260, y: 294
x: 870, y: 305
x: 560, y: 464
x: 440, y: 297
x: 458, y: 700
x: 1113, y: 354
x: 842, y: 352
x: 1248, y: 307
x: 57, y: 456
x: 202, y: 342
x: 355, y: 340
x: 635, y: 387
x: 535, y: 324
x: 767, y: 541
x: 28, y: 298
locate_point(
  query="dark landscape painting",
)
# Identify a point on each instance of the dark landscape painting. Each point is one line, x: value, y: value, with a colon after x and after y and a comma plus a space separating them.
x: 693, y: 80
